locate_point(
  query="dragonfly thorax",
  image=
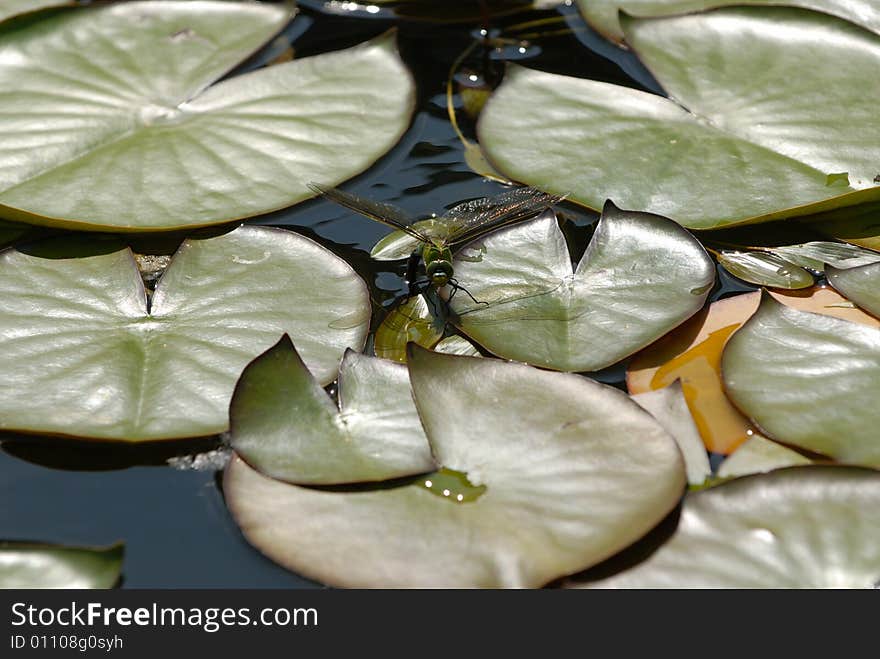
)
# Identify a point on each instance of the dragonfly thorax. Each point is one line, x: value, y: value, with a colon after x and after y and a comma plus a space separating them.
x: 438, y: 264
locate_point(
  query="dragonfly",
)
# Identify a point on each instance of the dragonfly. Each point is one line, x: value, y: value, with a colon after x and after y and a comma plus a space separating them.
x: 439, y: 236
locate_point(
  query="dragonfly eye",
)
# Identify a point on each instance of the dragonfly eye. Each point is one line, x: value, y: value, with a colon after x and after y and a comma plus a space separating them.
x: 439, y: 272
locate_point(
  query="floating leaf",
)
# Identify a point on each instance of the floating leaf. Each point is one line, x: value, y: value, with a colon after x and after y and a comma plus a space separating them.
x: 25, y: 565
x: 758, y: 455
x: 285, y: 425
x: 816, y: 254
x: 602, y: 14
x: 861, y: 285
x: 13, y: 8
x: 457, y: 345
x: 411, y: 320
x: 669, y: 407
x: 692, y: 353
x: 765, y: 269
x: 859, y: 225
x: 81, y: 354
x: 801, y: 527
x: 731, y: 147
x: 641, y: 276
x: 808, y: 380
x: 136, y: 135
x: 573, y: 471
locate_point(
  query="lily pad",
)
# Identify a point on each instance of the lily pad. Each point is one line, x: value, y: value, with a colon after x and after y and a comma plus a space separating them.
x: 692, y: 353
x: 765, y: 269
x: 641, y: 276
x: 861, y: 285
x: 11, y: 8
x: 26, y: 565
x: 139, y: 135
x: 808, y: 380
x: 602, y: 14
x: 818, y: 253
x: 567, y: 471
x: 728, y: 147
x: 457, y: 345
x: 410, y: 320
x: 801, y: 527
x: 82, y: 354
x: 285, y: 425
x: 670, y: 408
x: 758, y: 455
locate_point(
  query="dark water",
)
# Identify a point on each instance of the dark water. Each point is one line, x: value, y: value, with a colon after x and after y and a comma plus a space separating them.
x: 174, y: 523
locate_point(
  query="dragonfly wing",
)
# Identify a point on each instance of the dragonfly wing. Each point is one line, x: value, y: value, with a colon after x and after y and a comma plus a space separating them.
x: 466, y: 221
x: 376, y: 210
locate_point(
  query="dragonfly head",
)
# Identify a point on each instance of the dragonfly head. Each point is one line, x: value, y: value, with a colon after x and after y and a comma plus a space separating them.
x: 439, y: 272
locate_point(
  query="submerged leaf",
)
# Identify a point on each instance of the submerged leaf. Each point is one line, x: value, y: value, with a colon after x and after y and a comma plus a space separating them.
x: 861, y: 285
x: 727, y: 147
x: 139, y: 135
x: 808, y: 380
x: 765, y: 269
x: 82, y: 354
x: 641, y: 276
x: 286, y: 426
x: 411, y: 320
x: 26, y: 565
x: 573, y: 471
x: 801, y: 527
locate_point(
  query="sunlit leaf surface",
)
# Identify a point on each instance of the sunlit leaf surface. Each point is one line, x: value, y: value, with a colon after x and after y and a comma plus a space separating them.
x: 802, y: 527
x: 730, y: 146
x: 808, y: 380
x: 861, y: 285
x: 125, y: 97
x: 669, y: 407
x: 641, y: 276
x: 81, y: 354
x: 765, y: 270
x: 602, y: 14
x: 284, y: 423
x: 556, y: 473
x: 26, y: 565
x: 757, y: 455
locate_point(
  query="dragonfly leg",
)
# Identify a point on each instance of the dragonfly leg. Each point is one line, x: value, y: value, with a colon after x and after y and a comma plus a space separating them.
x: 458, y: 287
x: 412, y: 265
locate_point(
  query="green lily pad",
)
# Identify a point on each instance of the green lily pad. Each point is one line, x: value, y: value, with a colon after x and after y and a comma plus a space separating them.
x: 816, y: 254
x: 602, y: 14
x: 729, y: 147
x: 807, y: 380
x: 669, y: 407
x: 11, y: 8
x: 562, y: 472
x: 801, y: 527
x: 457, y: 345
x: 765, y: 269
x: 81, y: 354
x: 759, y: 454
x: 861, y: 285
x: 641, y: 276
x: 140, y: 136
x: 25, y: 565
x: 285, y: 425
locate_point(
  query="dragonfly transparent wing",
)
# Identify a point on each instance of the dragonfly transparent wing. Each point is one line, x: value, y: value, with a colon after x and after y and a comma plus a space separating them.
x: 471, y: 219
x: 376, y: 210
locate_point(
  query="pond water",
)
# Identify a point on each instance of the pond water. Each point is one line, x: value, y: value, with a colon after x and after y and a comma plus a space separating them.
x: 174, y: 522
